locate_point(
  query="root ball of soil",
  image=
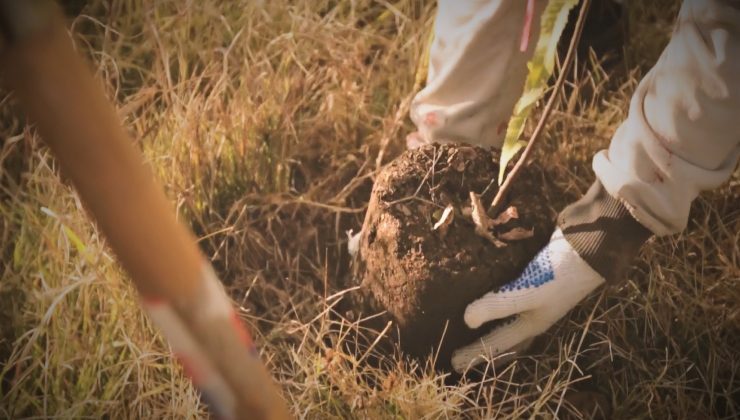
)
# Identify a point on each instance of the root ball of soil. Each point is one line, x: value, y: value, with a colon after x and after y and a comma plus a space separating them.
x: 425, y: 278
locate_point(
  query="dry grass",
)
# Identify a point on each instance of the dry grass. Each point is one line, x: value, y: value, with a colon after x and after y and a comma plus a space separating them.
x: 266, y: 123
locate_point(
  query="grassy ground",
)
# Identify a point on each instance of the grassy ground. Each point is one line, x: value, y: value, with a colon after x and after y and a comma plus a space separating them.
x: 266, y: 123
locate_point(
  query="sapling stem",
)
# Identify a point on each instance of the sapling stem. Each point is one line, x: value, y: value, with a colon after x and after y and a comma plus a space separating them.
x: 569, y: 57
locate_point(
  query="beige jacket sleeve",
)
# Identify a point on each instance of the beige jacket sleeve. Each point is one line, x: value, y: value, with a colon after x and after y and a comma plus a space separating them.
x: 681, y: 135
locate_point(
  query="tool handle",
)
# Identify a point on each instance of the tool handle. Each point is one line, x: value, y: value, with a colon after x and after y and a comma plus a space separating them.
x: 178, y: 287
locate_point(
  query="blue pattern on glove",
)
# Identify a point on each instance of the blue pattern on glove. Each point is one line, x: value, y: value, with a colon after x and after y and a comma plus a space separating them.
x: 537, y: 273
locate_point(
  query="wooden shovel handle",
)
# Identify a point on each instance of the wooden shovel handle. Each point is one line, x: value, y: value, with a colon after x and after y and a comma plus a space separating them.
x: 59, y: 94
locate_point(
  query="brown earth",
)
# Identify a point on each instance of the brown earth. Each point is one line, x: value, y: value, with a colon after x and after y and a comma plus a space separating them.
x: 425, y: 279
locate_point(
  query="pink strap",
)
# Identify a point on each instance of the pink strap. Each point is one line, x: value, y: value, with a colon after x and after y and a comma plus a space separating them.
x: 526, y: 31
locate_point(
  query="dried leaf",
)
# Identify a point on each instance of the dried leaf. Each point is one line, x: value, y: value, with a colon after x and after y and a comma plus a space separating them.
x: 353, y: 242
x: 480, y: 217
x: 506, y: 216
x: 482, y: 222
x: 494, y: 241
x: 445, y: 220
x: 517, y: 234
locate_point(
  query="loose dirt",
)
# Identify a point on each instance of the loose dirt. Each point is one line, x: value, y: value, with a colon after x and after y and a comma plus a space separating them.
x: 423, y: 278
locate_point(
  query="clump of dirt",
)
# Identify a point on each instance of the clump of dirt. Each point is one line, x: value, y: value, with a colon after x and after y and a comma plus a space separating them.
x: 424, y: 278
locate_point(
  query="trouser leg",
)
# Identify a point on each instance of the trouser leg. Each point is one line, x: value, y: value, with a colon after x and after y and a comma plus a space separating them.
x: 476, y: 70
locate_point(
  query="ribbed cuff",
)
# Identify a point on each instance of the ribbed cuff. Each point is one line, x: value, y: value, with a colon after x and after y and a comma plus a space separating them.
x: 600, y: 228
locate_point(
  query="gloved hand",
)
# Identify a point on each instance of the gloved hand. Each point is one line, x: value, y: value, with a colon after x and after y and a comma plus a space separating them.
x: 596, y: 241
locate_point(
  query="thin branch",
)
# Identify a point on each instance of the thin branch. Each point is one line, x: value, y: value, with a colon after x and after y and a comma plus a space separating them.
x: 506, y: 186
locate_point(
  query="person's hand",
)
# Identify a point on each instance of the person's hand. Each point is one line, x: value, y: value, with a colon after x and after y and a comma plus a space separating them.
x: 596, y: 240
x: 553, y: 283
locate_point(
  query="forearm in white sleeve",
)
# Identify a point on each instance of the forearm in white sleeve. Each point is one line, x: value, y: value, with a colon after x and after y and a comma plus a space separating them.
x: 682, y: 134
x: 476, y: 70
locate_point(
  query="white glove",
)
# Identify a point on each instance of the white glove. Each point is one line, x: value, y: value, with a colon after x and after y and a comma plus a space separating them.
x: 553, y: 283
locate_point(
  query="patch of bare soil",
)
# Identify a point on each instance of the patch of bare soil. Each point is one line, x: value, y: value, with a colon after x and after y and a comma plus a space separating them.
x: 425, y: 277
